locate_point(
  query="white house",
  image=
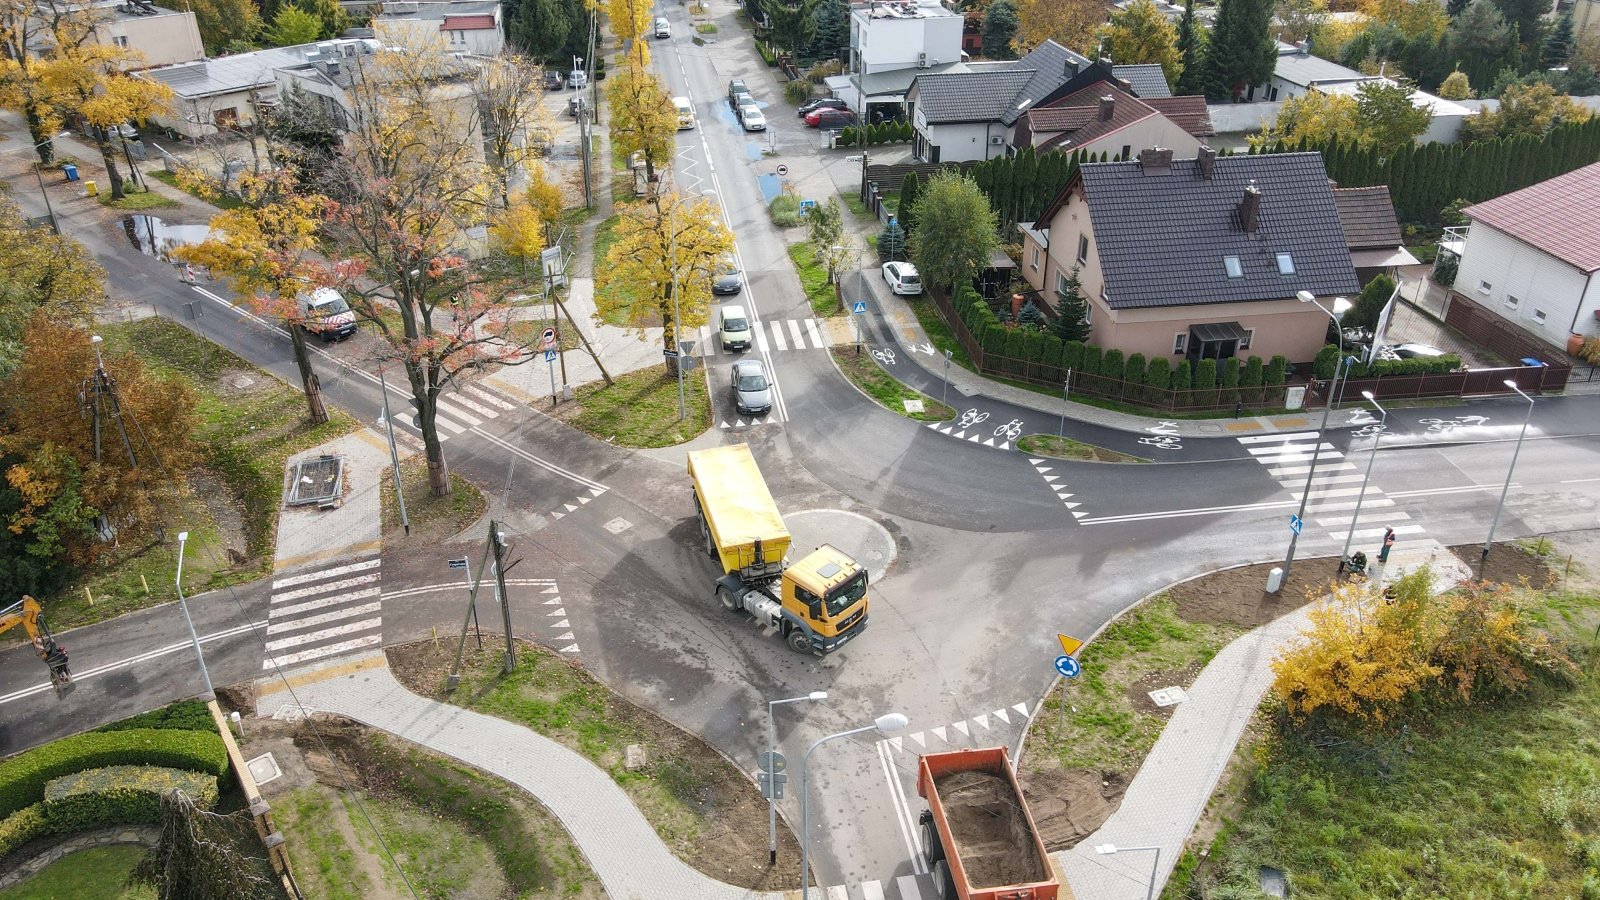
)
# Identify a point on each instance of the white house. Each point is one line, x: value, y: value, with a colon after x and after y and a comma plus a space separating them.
x: 464, y: 26
x: 210, y: 95
x: 1530, y: 256
x: 893, y: 43
x: 160, y: 36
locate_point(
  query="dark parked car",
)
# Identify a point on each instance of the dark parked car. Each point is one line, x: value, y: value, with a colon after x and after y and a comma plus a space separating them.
x: 735, y: 87
x: 553, y: 80
x: 728, y: 281
x: 830, y: 118
x: 824, y: 103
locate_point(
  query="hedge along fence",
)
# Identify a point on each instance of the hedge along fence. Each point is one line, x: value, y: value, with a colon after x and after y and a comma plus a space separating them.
x: 881, y: 133
x: 1039, y: 357
x: 120, y: 795
x: 23, y: 777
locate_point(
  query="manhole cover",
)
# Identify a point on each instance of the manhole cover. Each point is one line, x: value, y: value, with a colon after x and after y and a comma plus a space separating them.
x: 264, y: 768
x: 243, y: 381
x: 617, y: 525
x: 912, y: 406
x: 1168, y: 696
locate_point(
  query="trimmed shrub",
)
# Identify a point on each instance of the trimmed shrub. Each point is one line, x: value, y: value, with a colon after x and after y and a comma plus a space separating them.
x: 849, y: 135
x: 1182, y: 376
x: 21, y: 827
x: 120, y: 795
x: 185, y: 715
x: 1277, y: 371
x: 1112, y: 364
x: 1016, y: 350
x: 1158, y: 378
x: 785, y: 210
x: 767, y: 56
x: 1250, y: 379
x: 1205, y: 377
x: 23, y: 777
x: 1091, y: 359
x: 1134, y: 372
x: 1072, y: 356
x: 1230, y: 380
x: 1326, y: 362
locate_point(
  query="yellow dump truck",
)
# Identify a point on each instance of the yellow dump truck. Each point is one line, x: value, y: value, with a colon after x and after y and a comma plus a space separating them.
x: 817, y: 604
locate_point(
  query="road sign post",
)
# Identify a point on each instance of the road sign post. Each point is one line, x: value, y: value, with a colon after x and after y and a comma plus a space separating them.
x: 547, y: 343
x: 858, y: 308
x: 466, y: 564
x: 1296, y: 523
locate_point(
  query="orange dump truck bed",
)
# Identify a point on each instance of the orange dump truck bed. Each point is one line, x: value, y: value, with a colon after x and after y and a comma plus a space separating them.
x: 988, y: 846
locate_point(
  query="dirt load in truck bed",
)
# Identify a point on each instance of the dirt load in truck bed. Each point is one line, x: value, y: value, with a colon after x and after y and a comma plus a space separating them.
x: 990, y: 830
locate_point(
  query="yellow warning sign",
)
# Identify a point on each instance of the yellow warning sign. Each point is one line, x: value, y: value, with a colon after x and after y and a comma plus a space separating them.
x: 1069, y: 644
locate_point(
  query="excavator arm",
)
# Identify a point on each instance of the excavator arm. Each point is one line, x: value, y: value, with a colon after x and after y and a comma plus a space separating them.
x: 26, y: 612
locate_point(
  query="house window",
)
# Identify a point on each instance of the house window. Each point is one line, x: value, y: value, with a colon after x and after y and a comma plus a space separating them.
x: 120, y: 40
x: 1512, y: 302
x: 1231, y: 263
x: 1088, y: 310
x: 1483, y: 287
x: 1539, y: 316
x: 1285, y: 264
x: 1180, y: 342
x: 1244, y: 342
x: 226, y: 118
x: 1061, y: 283
x: 1034, y: 261
x: 1083, y: 247
x: 1127, y: 152
x: 458, y: 37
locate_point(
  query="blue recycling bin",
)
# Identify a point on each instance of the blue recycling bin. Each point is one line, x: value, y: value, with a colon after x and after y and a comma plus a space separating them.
x: 1530, y: 361
x: 71, y: 170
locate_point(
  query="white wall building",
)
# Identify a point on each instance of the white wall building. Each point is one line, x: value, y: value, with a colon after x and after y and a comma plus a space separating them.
x: 160, y: 36
x: 211, y: 95
x: 891, y: 44
x: 1532, y: 255
x: 464, y: 26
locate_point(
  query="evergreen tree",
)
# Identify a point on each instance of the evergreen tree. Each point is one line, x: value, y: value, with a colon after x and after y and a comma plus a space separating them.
x: 999, y: 30
x: 909, y: 188
x: 1191, y: 77
x: 790, y: 25
x: 542, y: 28
x: 1558, y: 43
x: 1030, y: 315
x: 1241, y: 52
x: 832, y: 38
x: 892, y: 242
x: 1454, y: 7
x: 1070, y: 310
x: 1527, y: 16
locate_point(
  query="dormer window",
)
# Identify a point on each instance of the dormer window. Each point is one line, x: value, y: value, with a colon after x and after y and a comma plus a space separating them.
x: 1231, y: 263
x: 1285, y: 264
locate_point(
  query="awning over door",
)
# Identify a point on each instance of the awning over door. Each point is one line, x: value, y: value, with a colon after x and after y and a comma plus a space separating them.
x: 1218, y: 331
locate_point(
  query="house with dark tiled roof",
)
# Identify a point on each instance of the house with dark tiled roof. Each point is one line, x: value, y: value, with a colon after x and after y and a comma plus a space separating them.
x: 970, y: 112
x: 1531, y: 256
x: 1105, y: 117
x: 1199, y: 258
x: 460, y: 26
x: 1377, y: 246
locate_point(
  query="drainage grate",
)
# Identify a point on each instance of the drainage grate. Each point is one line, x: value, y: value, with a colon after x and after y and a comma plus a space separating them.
x: 318, y: 481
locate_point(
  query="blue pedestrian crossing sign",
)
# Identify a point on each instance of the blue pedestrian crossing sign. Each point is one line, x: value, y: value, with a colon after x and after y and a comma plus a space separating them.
x: 1068, y: 666
x: 858, y: 307
x: 549, y: 356
x: 1296, y: 523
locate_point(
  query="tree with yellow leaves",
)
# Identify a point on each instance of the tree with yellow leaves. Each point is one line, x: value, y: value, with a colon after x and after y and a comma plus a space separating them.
x: 266, y: 249
x: 1141, y: 33
x: 630, y: 21
x: 90, y: 80
x: 642, y: 117
x: 32, y: 31
x: 510, y: 91
x: 667, y: 249
x: 1071, y: 23
x: 1414, y: 18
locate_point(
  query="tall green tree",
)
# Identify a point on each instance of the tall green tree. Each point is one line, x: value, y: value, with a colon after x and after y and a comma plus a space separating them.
x: 1241, y: 52
x: 1070, y: 310
x: 1140, y: 33
x: 1386, y: 115
x: 1191, y: 38
x: 957, y: 230
x: 791, y: 25
x: 1481, y: 42
x: 1557, y: 47
x: 225, y: 23
x: 832, y: 37
x: 999, y: 30
x: 292, y: 26
x: 541, y: 28
x: 909, y: 188
x: 1528, y: 17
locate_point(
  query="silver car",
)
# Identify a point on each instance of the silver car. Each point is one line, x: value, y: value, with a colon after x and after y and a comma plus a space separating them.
x: 752, y: 393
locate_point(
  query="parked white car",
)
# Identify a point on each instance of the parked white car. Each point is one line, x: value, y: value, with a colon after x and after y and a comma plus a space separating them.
x: 663, y: 28
x: 902, y: 278
x: 735, y: 328
x: 752, y: 117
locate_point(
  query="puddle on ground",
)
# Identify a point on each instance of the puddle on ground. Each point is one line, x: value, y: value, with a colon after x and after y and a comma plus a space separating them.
x: 153, y: 237
x: 770, y: 185
x: 754, y: 150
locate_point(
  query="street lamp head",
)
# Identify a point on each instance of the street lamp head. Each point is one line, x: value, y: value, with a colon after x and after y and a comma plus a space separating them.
x: 1108, y: 849
x: 1305, y: 297
x: 96, y: 339
x: 1511, y: 383
x: 1370, y: 398
x: 817, y: 695
x: 889, y: 723
x: 183, y: 536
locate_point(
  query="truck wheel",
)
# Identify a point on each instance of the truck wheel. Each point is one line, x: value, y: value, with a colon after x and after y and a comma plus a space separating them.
x: 943, y: 884
x: 799, y: 641
x: 729, y: 602
x: 705, y: 533
x: 932, y: 847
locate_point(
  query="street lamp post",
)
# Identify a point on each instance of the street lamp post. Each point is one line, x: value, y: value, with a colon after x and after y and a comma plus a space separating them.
x: 772, y: 787
x: 177, y: 582
x: 887, y: 723
x: 944, y: 395
x: 1066, y: 391
x: 1495, y: 523
x: 1340, y: 305
x: 1110, y: 849
x: 1383, y: 420
x: 48, y: 209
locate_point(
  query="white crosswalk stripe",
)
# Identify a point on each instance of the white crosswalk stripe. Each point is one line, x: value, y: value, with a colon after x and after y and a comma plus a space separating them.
x: 464, y: 408
x: 323, y: 612
x: 774, y: 335
x: 489, y: 397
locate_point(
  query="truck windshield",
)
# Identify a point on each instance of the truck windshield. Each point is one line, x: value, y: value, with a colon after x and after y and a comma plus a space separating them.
x: 332, y: 307
x: 847, y: 595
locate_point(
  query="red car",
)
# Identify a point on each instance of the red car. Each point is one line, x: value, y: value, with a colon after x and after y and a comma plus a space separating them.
x: 830, y: 118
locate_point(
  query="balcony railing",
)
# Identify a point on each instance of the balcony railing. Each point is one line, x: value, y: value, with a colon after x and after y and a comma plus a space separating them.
x: 1455, y: 239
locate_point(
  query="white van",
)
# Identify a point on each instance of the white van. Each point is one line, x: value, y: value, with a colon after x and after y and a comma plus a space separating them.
x: 324, y: 312
x: 735, y: 329
x: 685, y: 112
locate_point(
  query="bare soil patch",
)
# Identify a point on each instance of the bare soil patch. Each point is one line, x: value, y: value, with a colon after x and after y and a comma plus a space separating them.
x: 1509, y: 563
x: 705, y: 809
x: 1239, y: 597
x: 1069, y: 804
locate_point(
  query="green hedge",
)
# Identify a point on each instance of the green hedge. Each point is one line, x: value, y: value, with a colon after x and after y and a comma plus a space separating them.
x: 767, y: 56
x: 897, y: 132
x: 120, y: 795
x: 185, y: 715
x: 23, y: 777
x: 21, y: 827
x: 1327, y: 362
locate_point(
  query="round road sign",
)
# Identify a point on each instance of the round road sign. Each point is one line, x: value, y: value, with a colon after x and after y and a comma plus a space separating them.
x: 1068, y: 667
x: 783, y: 169
x: 549, y: 334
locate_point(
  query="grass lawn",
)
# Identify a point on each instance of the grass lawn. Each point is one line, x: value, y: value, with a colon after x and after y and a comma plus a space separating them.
x: 249, y: 424
x: 641, y: 409
x: 614, y: 297
x: 706, y: 28
x: 432, y: 518
x: 865, y: 373
x: 853, y: 202
x: 135, y: 199
x: 1498, y: 799
x: 814, y: 280
x: 220, y: 201
x: 94, y: 874
x: 1067, y: 448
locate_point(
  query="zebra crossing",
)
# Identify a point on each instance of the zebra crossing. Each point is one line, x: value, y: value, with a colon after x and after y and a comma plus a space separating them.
x: 772, y: 335
x: 904, y: 887
x: 1335, y: 487
x: 467, y: 407
x: 323, y: 612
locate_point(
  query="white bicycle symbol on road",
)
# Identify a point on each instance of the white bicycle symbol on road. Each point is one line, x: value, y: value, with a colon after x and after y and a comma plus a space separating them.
x: 1163, y: 442
x: 1166, y: 429
x: 1010, y: 431
x: 1447, y: 425
x: 1372, y: 430
x: 885, y: 356
x: 972, y: 417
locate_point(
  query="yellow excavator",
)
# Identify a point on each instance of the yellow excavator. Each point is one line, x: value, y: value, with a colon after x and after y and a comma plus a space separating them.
x: 25, y: 612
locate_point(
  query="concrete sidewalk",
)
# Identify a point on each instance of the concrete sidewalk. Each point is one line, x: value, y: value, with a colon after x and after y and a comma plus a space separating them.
x: 1176, y: 780
x: 623, y: 849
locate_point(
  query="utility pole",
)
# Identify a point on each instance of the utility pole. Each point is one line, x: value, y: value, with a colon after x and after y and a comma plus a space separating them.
x: 453, y: 680
x: 497, y: 542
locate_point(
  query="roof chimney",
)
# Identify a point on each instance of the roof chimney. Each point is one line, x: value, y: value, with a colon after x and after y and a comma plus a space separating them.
x: 1250, y: 207
x: 1155, y: 161
x: 1108, y: 105
x: 1208, y: 162
x: 1304, y: 47
x: 1069, y: 68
